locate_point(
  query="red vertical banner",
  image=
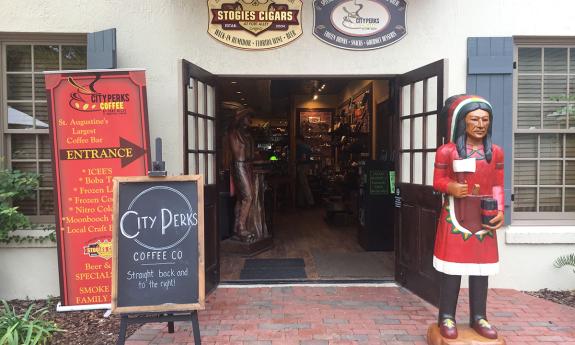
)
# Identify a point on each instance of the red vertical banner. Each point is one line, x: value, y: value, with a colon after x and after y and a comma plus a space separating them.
x: 99, y: 129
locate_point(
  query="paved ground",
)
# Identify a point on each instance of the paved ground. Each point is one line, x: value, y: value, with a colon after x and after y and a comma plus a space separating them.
x: 353, y: 315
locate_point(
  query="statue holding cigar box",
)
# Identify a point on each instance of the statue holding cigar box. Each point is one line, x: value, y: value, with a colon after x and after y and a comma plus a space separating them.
x: 469, y: 171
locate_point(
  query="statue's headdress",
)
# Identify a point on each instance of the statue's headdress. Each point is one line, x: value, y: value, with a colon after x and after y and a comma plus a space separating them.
x: 452, y: 119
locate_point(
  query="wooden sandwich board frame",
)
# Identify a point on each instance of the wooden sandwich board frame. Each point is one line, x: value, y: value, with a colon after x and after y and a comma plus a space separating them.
x: 115, y: 233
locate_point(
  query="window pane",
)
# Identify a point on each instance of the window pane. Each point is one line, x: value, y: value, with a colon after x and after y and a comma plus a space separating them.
x: 19, y: 87
x: 554, y: 115
x: 525, y: 200
x: 529, y: 60
x: 44, y: 149
x: 201, y: 98
x: 528, y: 116
x: 555, y: 60
x: 431, y: 94
x: 211, y: 135
x: 192, y: 166
x: 405, y: 133
x: 211, y: 169
x: 28, y: 206
x: 572, y: 60
x: 20, y: 115
x: 430, y: 165
x: 405, y: 168
x: 202, y: 167
x: 46, y: 58
x: 418, y: 97
x: 211, y: 101
x: 418, y: 168
x: 29, y: 167
x: 192, y: 96
x: 526, y: 146
x: 39, y: 88
x: 555, y: 88
x: 570, y: 145
x: 431, y: 132
x: 525, y: 173
x: 74, y: 57
x: 551, y: 173
x: 23, y: 146
x: 192, y: 136
x: 569, y: 199
x: 46, y: 174
x: 405, y: 100
x: 550, y: 200
x: 18, y: 58
x: 46, y: 202
x: 418, y: 133
x: 42, y: 121
x: 529, y: 88
x: 570, y: 173
x: 551, y: 146
x: 202, y: 133
x: 572, y: 86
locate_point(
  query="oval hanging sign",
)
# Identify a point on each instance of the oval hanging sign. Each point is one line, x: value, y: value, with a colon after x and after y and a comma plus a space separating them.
x: 360, y: 24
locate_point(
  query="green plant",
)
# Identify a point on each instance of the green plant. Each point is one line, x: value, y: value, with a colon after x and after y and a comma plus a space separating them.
x: 14, y: 185
x: 565, y: 260
x: 29, y: 328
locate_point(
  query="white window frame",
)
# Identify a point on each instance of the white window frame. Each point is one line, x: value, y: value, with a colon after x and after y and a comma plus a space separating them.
x: 541, y: 218
x: 5, y: 145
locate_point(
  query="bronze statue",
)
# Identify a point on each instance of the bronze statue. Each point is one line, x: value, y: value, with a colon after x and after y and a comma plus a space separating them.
x: 242, y: 149
x: 469, y: 171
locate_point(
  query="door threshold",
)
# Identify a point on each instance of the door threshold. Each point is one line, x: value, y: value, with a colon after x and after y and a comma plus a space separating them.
x: 386, y: 282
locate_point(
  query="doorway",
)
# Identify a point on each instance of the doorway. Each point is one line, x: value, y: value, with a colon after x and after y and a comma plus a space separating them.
x: 414, y: 99
x: 328, y: 175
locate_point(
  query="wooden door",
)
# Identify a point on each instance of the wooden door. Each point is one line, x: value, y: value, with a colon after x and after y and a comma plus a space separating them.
x: 200, y: 149
x: 419, y: 98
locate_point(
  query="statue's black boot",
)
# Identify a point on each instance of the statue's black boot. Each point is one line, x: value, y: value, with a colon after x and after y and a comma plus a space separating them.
x: 478, y: 307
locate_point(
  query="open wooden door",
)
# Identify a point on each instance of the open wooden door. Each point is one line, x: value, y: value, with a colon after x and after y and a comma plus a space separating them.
x: 419, y: 98
x: 200, y: 149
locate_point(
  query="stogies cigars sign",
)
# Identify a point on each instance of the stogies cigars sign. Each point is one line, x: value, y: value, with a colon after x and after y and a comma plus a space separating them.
x: 255, y: 24
x: 359, y: 24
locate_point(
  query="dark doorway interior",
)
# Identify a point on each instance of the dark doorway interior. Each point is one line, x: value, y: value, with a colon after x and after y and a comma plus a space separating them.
x: 339, y: 227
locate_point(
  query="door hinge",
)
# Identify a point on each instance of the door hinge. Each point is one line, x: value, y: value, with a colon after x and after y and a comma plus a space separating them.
x: 514, y: 64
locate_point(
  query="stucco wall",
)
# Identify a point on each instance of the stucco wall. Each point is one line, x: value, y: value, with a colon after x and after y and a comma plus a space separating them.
x: 29, y: 270
x: 156, y: 34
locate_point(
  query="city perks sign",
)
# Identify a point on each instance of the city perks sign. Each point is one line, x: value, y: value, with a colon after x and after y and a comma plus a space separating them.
x: 99, y: 129
x: 255, y: 24
x: 158, y: 262
x: 359, y: 24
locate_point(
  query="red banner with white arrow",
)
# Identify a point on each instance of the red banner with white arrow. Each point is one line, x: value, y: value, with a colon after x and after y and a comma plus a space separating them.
x: 99, y: 129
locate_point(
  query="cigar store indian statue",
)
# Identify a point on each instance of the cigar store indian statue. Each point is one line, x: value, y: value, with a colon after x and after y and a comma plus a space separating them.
x: 469, y: 172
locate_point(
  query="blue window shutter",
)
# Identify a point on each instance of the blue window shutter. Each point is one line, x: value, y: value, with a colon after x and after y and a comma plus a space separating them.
x: 490, y: 75
x: 102, y: 49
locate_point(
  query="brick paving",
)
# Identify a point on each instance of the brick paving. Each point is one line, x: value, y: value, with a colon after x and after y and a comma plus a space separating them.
x: 323, y: 315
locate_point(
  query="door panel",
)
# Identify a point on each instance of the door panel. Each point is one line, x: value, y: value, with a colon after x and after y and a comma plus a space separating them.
x: 200, y: 150
x: 419, y: 99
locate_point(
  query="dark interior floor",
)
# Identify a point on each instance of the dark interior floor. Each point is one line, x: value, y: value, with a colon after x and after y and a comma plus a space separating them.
x: 329, y: 252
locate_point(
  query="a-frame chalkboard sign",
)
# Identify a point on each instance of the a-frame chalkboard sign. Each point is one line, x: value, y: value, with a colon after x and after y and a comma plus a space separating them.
x: 158, y: 248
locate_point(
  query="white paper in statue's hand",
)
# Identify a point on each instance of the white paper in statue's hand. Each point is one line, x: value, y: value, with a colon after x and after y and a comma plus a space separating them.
x: 464, y: 165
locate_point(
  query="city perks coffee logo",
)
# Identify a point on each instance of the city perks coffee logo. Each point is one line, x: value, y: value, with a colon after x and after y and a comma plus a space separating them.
x: 154, y: 225
x: 255, y: 24
x: 359, y: 24
x: 85, y: 98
